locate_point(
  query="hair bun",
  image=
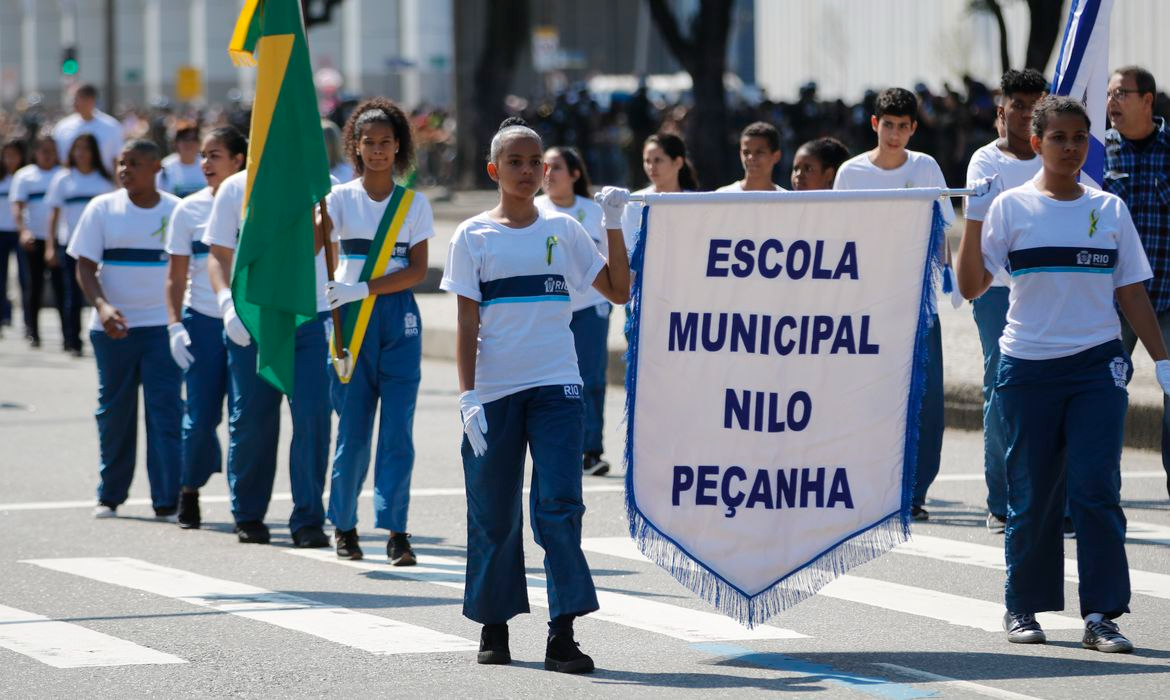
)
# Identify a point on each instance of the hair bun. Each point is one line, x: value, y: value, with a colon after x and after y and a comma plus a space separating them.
x: 512, y: 121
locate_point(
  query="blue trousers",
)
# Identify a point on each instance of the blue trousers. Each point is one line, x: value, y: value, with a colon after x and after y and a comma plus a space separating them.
x: 73, y: 302
x: 990, y: 312
x: 388, y: 368
x: 1077, y: 405
x: 547, y: 420
x: 10, y: 245
x: 254, y: 430
x: 1129, y: 340
x: 206, y: 381
x: 590, y: 334
x: 930, y: 418
x: 142, y: 358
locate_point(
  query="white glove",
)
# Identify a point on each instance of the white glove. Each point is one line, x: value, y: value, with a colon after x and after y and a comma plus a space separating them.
x: 232, y: 325
x: 474, y: 421
x: 1162, y: 370
x: 341, y: 293
x: 613, y: 201
x: 984, y: 185
x: 180, y: 339
x: 956, y: 296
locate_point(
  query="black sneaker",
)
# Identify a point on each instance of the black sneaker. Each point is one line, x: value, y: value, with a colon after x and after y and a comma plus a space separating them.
x: 563, y: 655
x: 594, y: 465
x: 919, y: 514
x: 996, y: 524
x: 1022, y: 628
x: 1104, y: 636
x: 493, y: 645
x: 398, y: 550
x: 310, y: 537
x: 347, y: 544
x: 1070, y: 532
x: 189, y: 515
x: 252, y: 532
x: 166, y: 514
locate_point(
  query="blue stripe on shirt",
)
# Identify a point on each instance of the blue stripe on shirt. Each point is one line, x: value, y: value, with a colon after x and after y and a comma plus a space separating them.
x: 134, y: 256
x: 1062, y: 259
x: 80, y: 199
x: 524, y: 289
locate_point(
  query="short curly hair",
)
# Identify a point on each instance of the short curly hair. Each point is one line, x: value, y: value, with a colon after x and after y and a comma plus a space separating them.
x: 379, y: 110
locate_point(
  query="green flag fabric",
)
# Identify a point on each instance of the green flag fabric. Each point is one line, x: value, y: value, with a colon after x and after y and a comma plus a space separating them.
x: 274, y: 283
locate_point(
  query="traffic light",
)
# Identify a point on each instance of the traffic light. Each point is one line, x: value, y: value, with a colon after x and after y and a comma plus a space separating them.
x: 69, y: 64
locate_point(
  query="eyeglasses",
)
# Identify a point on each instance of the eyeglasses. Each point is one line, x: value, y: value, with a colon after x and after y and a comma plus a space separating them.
x: 1119, y: 94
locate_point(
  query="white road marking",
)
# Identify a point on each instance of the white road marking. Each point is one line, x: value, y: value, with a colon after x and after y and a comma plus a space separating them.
x: 627, y: 610
x: 1147, y: 532
x: 912, y: 600
x: 372, y: 633
x: 65, y: 645
x: 285, y: 496
x: 947, y: 681
x: 979, y: 476
x: 988, y: 557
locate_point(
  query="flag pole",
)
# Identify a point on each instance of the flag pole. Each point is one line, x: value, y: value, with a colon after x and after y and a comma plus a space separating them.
x: 956, y: 192
x: 339, y: 351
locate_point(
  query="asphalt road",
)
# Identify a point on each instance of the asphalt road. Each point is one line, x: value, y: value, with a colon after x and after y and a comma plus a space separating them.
x: 135, y: 608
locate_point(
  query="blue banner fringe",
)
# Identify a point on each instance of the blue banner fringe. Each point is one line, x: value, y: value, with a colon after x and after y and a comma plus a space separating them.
x: 858, y: 548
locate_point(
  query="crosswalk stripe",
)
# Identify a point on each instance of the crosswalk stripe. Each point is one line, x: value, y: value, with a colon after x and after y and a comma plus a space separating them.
x: 64, y: 645
x: 620, y: 608
x: 988, y: 557
x: 1147, y: 532
x: 912, y: 600
x: 372, y: 633
x: 424, y: 492
x: 980, y: 476
x: 948, y: 682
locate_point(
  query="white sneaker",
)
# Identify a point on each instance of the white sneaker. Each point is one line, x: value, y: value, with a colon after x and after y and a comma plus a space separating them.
x: 102, y: 511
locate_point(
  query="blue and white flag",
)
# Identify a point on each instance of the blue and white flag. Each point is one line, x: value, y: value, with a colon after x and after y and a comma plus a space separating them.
x: 1082, y: 71
x: 776, y: 371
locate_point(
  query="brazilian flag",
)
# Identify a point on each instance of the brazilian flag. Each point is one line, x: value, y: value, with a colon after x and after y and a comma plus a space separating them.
x: 274, y: 283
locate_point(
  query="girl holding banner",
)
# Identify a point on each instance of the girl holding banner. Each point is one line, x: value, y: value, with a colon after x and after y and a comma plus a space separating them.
x: 566, y: 190
x: 382, y: 229
x: 512, y: 268
x: 1062, y: 375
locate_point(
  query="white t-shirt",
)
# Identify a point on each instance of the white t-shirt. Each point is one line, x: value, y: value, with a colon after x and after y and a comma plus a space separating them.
x: 70, y: 191
x: 989, y: 160
x: 129, y: 244
x: 355, y: 223
x: 185, y: 237
x: 106, y: 129
x: 521, y: 278
x: 7, y: 223
x: 223, y: 226
x: 1065, y: 260
x: 180, y: 179
x: 588, y: 214
x: 30, y: 184
x: 737, y: 186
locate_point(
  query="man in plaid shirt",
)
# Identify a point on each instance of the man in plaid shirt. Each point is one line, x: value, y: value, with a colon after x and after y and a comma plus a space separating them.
x: 1137, y: 169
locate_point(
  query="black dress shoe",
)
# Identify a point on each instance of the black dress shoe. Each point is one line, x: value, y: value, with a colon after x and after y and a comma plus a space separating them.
x: 310, y: 537
x: 252, y: 532
x: 189, y: 515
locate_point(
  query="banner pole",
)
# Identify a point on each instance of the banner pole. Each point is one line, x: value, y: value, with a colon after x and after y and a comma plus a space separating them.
x: 958, y: 192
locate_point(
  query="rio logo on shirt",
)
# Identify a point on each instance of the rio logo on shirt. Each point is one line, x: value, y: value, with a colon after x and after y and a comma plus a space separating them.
x: 1086, y: 258
x: 552, y: 285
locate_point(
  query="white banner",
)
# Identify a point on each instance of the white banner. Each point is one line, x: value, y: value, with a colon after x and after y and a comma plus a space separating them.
x: 777, y: 348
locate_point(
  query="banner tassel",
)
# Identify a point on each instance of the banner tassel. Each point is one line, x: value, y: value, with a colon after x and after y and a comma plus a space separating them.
x: 859, y: 548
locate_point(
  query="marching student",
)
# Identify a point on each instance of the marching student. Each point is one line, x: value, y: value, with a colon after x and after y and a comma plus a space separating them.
x: 182, y: 173
x: 69, y: 192
x: 566, y: 190
x: 521, y: 388
x: 816, y: 163
x: 30, y: 184
x: 759, y: 152
x: 254, y: 417
x: 11, y: 160
x: 195, y: 323
x: 1011, y: 158
x: 892, y: 166
x: 664, y: 160
x: 383, y: 231
x: 121, y: 267
x: 1061, y: 383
